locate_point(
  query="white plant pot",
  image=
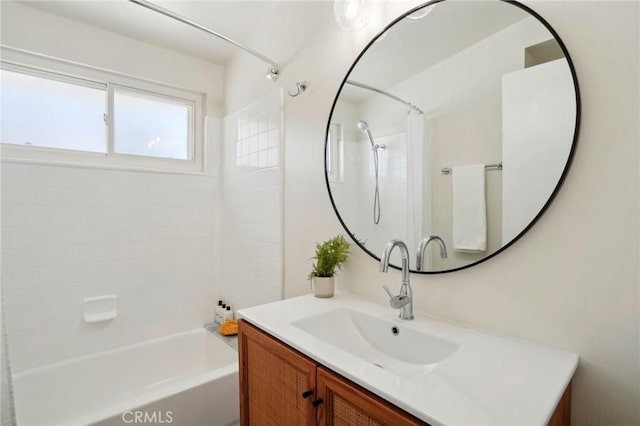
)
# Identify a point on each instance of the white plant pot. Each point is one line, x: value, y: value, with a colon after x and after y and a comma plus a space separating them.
x: 322, y: 286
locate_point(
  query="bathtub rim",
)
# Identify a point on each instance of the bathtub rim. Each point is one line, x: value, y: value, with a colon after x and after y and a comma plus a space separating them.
x: 40, y: 368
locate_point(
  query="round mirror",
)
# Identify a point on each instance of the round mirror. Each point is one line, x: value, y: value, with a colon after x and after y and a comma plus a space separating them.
x: 452, y: 131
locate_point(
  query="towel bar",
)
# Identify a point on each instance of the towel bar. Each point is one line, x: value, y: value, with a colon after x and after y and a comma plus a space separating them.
x: 496, y: 166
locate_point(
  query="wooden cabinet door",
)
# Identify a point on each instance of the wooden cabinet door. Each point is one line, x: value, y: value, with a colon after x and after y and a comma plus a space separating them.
x: 562, y: 414
x: 347, y: 404
x: 273, y: 379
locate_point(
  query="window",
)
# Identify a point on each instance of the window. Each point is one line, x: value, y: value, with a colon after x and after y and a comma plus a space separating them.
x: 105, y: 119
x: 44, y: 112
x: 148, y: 125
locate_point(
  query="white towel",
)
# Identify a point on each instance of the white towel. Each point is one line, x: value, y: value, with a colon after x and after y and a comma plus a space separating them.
x: 469, y: 209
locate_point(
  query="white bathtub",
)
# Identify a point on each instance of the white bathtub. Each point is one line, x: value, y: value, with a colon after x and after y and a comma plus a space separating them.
x: 187, y: 379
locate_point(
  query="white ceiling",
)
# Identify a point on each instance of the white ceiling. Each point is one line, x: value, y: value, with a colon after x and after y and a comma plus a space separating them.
x: 239, y: 20
x: 411, y: 46
x: 281, y: 27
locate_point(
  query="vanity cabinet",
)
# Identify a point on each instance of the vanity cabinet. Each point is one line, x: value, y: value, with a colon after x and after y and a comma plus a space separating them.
x: 281, y: 387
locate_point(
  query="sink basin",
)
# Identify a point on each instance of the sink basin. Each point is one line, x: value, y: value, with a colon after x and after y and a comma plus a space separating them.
x: 386, y: 344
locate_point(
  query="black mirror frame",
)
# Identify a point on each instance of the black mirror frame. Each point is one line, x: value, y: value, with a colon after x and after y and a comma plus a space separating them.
x: 555, y: 190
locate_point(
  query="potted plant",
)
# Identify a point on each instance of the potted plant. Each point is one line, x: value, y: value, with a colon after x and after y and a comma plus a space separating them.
x: 330, y: 255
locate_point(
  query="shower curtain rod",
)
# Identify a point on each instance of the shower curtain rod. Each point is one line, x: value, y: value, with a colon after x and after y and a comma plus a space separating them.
x: 382, y: 92
x: 272, y: 71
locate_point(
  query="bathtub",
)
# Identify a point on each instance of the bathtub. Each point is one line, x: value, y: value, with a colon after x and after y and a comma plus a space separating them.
x: 187, y: 379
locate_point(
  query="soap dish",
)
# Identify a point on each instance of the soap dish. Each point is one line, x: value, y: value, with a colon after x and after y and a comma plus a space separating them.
x: 99, y: 309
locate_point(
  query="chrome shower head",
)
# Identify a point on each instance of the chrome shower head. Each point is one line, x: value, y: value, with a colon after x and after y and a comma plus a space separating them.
x: 364, y: 128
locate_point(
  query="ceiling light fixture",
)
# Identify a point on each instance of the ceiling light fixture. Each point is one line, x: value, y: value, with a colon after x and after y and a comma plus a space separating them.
x: 351, y: 15
x: 422, y: 13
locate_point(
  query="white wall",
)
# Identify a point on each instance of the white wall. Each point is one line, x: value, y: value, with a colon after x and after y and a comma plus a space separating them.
x: 71, y: 233
x: 572, y: 281
x: 534, y: 160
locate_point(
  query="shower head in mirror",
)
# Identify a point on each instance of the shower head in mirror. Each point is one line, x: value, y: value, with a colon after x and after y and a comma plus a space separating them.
x: 364, y: 128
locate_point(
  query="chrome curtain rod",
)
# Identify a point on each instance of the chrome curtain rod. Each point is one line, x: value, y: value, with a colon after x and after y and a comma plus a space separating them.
x: 495, y: 166
x: 272, y: 71
x: 382, y: 92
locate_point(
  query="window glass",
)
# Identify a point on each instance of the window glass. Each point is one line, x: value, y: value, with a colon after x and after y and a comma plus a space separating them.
x: 43, y: 112
x: 151, y: 126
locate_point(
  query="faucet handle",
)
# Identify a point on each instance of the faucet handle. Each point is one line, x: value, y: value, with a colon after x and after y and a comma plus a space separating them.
x: 388, y: 291
x: 398, y: 301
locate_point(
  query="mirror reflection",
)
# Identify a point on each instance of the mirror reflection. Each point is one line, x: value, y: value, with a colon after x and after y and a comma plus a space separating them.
x: 451, y: 132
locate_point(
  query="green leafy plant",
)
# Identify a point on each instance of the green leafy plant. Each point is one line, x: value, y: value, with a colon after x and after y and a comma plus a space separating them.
x: 329, y: 256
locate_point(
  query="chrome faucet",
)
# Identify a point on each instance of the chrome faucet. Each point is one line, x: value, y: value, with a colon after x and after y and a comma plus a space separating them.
x: 404, y: 301
x: 422, y: 247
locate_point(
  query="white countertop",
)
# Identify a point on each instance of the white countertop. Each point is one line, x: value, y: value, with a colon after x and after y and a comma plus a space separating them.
x: 489, y: 381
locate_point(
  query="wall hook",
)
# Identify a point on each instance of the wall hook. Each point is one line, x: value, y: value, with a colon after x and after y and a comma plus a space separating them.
x: 302, y: 87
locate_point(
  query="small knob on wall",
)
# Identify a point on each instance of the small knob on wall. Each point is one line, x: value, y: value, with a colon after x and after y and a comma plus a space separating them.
x: 307, y: 394
x: 317, y: 402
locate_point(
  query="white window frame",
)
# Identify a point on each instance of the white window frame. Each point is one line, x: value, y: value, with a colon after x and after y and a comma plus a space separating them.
x: 335, y: 160
x: 55, y: 69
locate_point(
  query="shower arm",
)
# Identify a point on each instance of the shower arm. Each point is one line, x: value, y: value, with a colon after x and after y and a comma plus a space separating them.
x: 272, y: 71
x: 382, y: 92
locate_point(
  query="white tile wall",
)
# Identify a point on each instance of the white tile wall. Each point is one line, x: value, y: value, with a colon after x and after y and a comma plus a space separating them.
x: 251, y: 255
x: 71, y: 233
x: 257, y: 143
